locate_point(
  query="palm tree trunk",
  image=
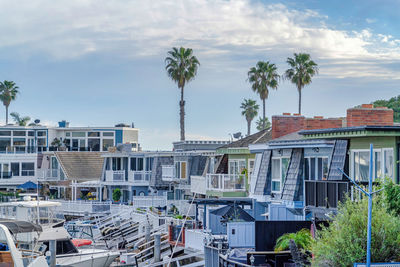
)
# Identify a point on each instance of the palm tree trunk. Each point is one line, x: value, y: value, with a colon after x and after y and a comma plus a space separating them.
x: 263, y: 113
x: 299, y: 89
x: 182, y: 115
x: 6, y: 115
x: 248, y: 126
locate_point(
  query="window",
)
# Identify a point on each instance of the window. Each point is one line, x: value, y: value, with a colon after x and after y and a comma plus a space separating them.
x: 383, y: 165
x: 149, y: 164
x: 68, y: 134
x: 140, y: 164
x: 278, y: 173
x: 251, y: 165
x: 133, y: 164
x: 236, y: 166
x: 19, y: 141
x: 316, y: 168
x: 31, y: 133
x: 108, y: 133
x: 107, y: 143
x: 4, y: 143
x: 116, y: 164
x: 78, y: 134
x: 41, y: 133
x: 180, y: 169
x: 27, y: 169
x: 94, y: 144
x: 19, y: 133
x: 5, y: 133
x: 93, y: 134
x: 15, y: 168
x: 41, y: 141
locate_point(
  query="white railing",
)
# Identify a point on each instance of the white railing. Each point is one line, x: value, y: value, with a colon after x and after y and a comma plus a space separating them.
x: 139, y: 176
x: 168, y: 173
x: 81, y: 207
x: 50, y: 174
x: 115, y: 176
x: 194, y: 238
x: 225, y: 182
x: 198, y: 184
x: 149, y: 201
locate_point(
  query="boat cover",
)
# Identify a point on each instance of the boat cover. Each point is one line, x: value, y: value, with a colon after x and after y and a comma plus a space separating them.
x: 81, y: 242
x: 17, y: 227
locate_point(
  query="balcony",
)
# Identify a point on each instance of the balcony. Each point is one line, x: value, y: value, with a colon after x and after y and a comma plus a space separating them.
x: 139, y: 177
x: 50, y: 175
x: 168, y: 173
x: 325, y: 194
x: 225, y: 185
x: 115, y: 176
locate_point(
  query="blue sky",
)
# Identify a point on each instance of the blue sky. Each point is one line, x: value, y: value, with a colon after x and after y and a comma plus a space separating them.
x: 101, y: 62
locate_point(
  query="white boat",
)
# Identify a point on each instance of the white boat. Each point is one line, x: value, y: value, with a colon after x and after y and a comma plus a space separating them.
x: 69, y: 255
x: 10, y: 255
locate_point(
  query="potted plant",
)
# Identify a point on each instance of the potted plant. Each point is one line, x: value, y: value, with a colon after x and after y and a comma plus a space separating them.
x: 116, y: 195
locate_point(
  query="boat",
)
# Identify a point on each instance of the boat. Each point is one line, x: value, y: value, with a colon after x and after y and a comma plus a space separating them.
x: 67, y: 254
x: 10, y: 255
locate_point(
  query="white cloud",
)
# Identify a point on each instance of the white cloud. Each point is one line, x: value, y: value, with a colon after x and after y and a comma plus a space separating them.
x: 67, y: 29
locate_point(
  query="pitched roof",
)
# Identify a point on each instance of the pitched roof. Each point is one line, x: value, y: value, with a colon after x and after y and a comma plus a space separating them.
x: 257, y: 138
x: 81, y: 165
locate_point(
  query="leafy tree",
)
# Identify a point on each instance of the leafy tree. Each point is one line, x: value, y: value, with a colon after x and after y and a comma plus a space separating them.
x: 116, y: 195
x: 263, y: 124
x: 262, y: 77
x: 301, y: 70
x: 302, y: 238
x: 344, y: 241
x: 8, y: 93
x: 21, y: 121
x: 393, y: 103
x: 181, y: 66
x: 392, y: 197
x: 249, y: 110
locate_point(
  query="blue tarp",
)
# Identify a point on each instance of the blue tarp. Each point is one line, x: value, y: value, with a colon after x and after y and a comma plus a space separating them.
x: 28, y: 185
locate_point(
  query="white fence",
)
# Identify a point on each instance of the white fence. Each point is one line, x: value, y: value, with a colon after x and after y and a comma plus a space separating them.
x: 226, y: 182
x: 82, y: 207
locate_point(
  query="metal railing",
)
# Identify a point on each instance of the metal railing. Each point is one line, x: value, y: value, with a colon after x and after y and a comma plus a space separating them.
x: 51, y: 174
x: 325, y: 194
x: 139, y: 176
x: 225, y: 182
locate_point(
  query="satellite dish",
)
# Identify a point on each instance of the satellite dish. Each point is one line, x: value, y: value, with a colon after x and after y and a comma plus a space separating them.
x: 237, y: 135
x: 37, y: 121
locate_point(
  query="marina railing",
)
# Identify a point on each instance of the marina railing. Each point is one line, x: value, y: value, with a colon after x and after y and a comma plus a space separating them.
x: 82, y: 207
x: 198, y: 184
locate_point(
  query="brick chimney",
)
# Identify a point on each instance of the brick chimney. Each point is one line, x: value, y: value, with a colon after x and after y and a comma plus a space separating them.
x: 286, y: 124
x: 367, y: 114
x: 318, y: 122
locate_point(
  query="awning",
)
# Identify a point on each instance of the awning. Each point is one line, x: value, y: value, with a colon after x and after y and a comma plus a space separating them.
x: 17, y: 227
x: 28, y: 185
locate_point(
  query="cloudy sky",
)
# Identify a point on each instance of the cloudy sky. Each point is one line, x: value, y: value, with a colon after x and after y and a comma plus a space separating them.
x: 101, y: 62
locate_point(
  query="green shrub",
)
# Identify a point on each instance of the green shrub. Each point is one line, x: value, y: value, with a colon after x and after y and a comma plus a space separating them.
x: 302, y: 238
x: 116, y: 195
x: 344, y: 241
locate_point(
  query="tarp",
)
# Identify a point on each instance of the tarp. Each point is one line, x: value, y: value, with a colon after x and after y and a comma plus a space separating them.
x: 81, y: 242
x: 28, y: 185
x: 233, y: 213
x: 17, y: 227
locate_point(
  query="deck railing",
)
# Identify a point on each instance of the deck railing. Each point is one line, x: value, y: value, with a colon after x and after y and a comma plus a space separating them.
x: 225, y: 182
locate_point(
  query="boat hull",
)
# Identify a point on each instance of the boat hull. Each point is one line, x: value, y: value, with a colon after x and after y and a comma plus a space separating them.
x: 87, y: 258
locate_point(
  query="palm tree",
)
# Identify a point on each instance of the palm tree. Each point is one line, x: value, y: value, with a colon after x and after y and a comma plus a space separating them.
x: 21, y: 121
x: 8, y: 93
x: 263, y: 124
x: 181, y: 66
x: 250, y: 111
x: 302, y: 238
x: 263, y: 77
x: 301, y: 70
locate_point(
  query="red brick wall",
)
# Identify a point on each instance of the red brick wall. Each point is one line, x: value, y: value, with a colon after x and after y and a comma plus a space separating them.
x: 368, y: 115
x: 321, y: 123
x: 286, y: 124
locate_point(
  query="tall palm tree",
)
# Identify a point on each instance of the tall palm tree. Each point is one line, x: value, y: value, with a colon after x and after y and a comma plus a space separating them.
x: 263, y: 76
x: 8, y: 93
x: 301, y: 70
x: 21, y: 121
x: 249, y: 110
x: 181, y: 66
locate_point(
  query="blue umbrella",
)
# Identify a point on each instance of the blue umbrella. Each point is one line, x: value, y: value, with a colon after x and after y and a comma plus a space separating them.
x: 28, y: 185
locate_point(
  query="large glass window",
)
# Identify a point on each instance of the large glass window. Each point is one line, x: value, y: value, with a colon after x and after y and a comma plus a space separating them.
x: 19, y: 141
x: 31, y: 133
x: 108, y: 133
x: 107, y: 143
x: 4, y: 143
x: 278, y: 173
x: 19, y: 133
x: 41, y: 133
x: 316, y: 168
x: 237, y: 166
x: 28, y: 169
x: 15, y: 168
x: 41, y: 141
x: 383, y: 165
x: 93, y: 134
x: 78, y: 134
x: 140, y: 164
x: 5, y: 133
x: 180, y: 169
x: 133, y: 164
x: 116, y: 164
x: 94, y: 144
x: 149, y: 164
